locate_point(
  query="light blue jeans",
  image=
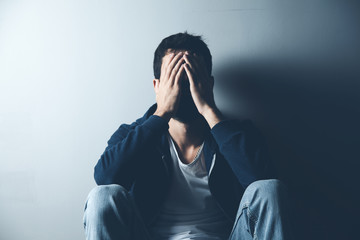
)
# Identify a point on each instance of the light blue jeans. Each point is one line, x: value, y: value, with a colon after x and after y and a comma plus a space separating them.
x: 263, y: 213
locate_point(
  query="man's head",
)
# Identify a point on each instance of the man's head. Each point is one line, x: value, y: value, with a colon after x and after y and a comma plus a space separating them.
x: 181, y: 41
x: 187, y: 111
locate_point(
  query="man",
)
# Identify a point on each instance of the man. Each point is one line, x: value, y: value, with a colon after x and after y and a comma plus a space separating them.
x: 183, y: 170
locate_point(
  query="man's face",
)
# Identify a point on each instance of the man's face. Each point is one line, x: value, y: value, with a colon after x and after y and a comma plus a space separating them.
x: 187, y: 111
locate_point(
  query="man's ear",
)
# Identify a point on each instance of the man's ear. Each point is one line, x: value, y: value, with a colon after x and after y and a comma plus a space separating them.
x: 156, y: 84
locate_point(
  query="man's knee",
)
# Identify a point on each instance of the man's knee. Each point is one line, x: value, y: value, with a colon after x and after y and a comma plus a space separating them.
x: 100, y: 197
x: 270, y: 190
x: 268, y: 185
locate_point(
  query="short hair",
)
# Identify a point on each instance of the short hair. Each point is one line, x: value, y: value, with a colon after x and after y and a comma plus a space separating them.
x: 181, y: 41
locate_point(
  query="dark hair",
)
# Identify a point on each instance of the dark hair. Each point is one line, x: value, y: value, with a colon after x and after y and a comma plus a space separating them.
x: 181, y: 41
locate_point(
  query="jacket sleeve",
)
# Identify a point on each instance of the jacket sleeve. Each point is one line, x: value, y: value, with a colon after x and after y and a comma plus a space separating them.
x: 244, y: 148
x: 123, y: 154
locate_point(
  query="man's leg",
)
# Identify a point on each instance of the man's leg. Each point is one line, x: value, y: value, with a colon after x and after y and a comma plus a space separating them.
x: 111, y: 213
x: 263, y: 212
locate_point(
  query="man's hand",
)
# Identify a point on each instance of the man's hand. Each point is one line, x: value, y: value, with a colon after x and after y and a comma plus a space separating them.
x: 201, y: 84
x: 201, y: 88
x: 168, y: 87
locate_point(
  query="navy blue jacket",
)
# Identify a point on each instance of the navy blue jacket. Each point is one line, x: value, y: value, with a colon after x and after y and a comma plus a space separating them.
x: 138, y: 158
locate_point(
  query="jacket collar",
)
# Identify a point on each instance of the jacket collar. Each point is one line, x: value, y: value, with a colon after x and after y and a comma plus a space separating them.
x: 210, y: 145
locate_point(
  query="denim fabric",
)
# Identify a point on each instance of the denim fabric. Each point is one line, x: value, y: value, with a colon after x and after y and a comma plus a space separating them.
x: 263, y: 213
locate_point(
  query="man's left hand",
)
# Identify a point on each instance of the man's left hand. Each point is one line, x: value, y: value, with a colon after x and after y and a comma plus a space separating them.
x: 201, y: 88
x: 201, y: 84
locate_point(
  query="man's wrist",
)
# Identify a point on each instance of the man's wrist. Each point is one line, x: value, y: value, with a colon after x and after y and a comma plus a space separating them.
x: 163, y: 114
x: 213, y: 116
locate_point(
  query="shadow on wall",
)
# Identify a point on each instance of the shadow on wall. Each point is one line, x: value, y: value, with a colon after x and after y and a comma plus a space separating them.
x: 310, y: 114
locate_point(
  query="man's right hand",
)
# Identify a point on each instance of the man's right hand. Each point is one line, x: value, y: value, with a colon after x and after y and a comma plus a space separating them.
x: 168, y: 88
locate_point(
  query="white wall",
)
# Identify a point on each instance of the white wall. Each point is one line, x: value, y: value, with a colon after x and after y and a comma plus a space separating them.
x: 72, y: 71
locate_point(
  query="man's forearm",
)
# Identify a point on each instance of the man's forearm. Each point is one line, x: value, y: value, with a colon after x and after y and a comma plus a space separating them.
x: 213, y: 116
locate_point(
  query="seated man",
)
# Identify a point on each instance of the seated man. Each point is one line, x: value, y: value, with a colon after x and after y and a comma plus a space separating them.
x: 183, y: 170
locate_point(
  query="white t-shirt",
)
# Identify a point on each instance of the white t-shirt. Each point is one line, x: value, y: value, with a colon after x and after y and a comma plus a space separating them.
x: 189, y: 211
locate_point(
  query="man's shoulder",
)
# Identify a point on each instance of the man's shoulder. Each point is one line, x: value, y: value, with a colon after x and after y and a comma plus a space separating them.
x: 236, y: 123
x: 125, y: 127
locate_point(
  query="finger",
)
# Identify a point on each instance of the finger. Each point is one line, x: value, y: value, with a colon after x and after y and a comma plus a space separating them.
x: 172, y: 64
x: 196, y: 68
x: 179, y: 74
x: 189, y: 74
x: 176, y: 70
x: 189, y: 60
x: 199, y: 66
x: 166, y: 60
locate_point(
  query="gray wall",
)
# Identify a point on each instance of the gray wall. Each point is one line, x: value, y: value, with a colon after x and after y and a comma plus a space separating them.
x: 72, y: 71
